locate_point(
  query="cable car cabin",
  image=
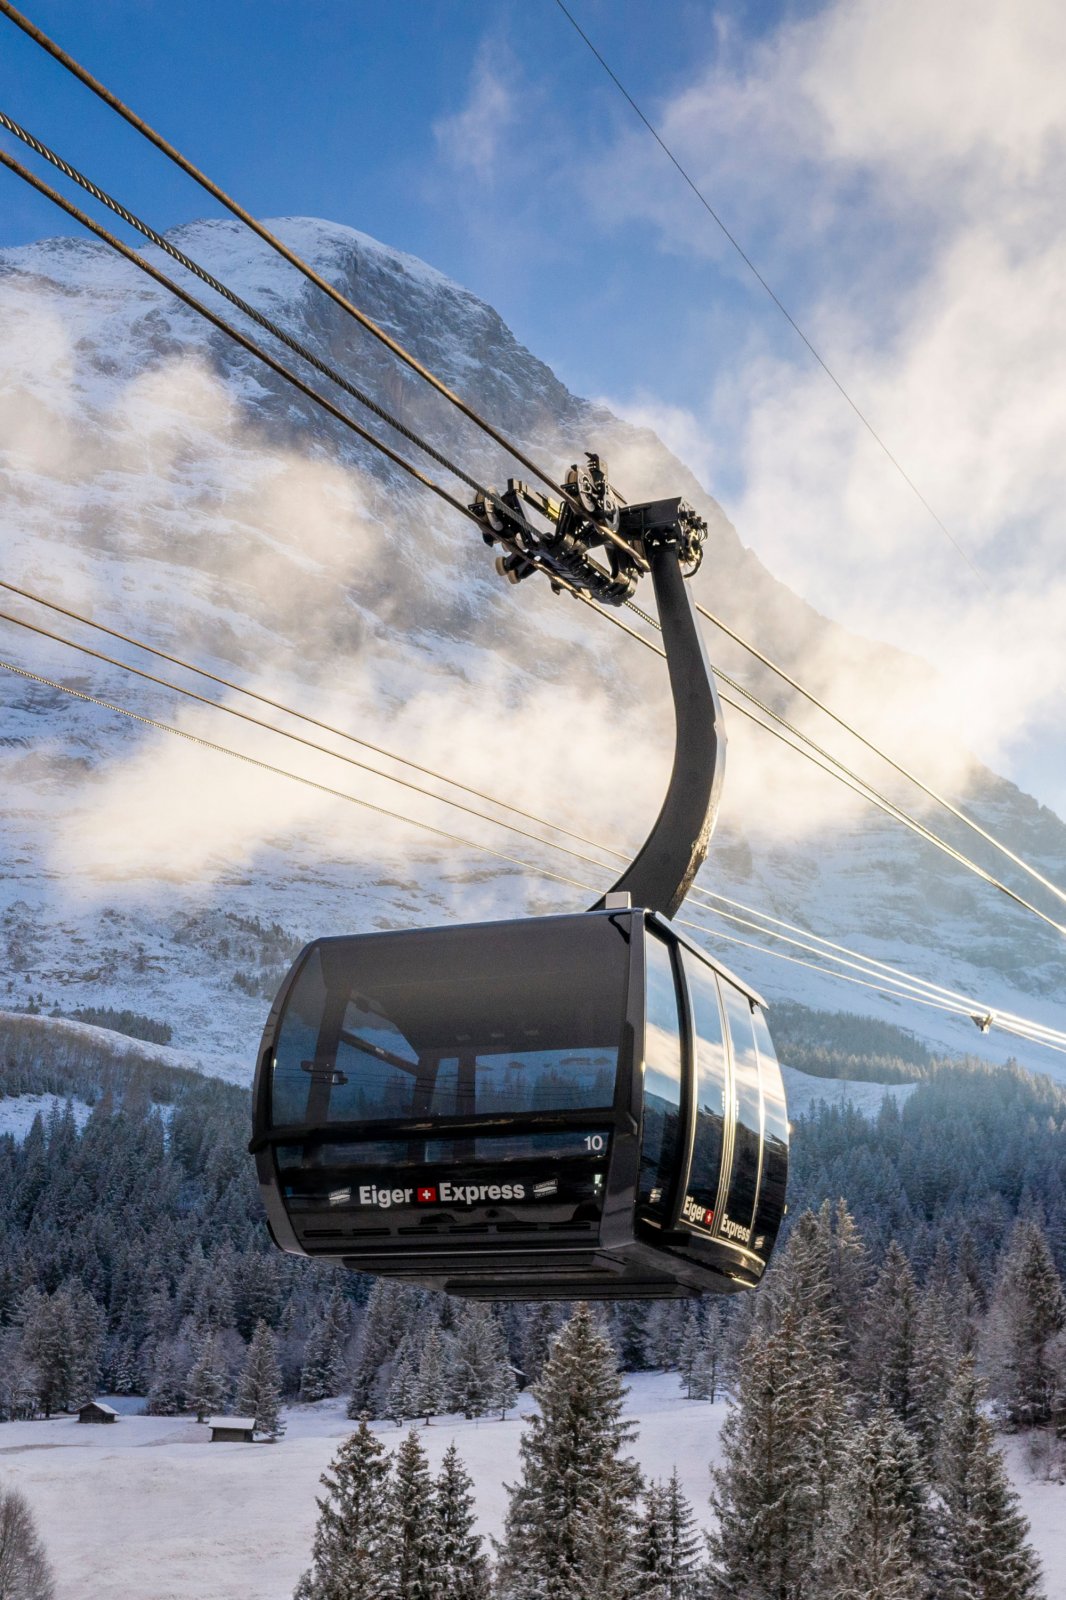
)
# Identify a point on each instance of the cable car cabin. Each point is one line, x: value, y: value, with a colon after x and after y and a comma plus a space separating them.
x: 562, y: 1107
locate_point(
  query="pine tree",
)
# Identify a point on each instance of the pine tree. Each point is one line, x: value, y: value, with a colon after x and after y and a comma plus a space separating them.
x: 877, y: 1540
x: 984, y: 1536
x: 667, y: 1544
x: 480, y: 1367
x: 207, y: 1385
x: 403, y: 1400
x: 353, y: 1556
x: 886, y: 1357
x: 784, y: 1437
x: 577, y: 1487
x: 380, y: 1333
x: 706, y: 1379
x: 462, y: 1570
x: 259, y: 1391
x: 414, y: 1522
x: 322, y: 1374
x: 938, y: 1349
x: 1027, y: 1311
x: 690, y: 1348
x: 166, y: 1392
x: 432, y: 1380
x: 850, y: 1272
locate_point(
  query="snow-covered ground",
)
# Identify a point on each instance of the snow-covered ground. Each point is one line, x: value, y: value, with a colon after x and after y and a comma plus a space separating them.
x: 147, y: 1509
x: 803, y: 1091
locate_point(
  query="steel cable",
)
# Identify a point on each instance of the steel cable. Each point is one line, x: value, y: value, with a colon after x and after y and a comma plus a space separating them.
x: 753, y: 269
x: 525, y: 866
x: 112, y: 100
x: 901, y: 979
x: 905, y: 772
x: 889, y: 806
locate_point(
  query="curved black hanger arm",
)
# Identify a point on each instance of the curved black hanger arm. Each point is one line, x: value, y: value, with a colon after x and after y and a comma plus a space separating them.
x: 662, y: 873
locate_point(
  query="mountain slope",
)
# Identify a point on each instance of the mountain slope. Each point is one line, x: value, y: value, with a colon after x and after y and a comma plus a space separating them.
x: 160, y: 479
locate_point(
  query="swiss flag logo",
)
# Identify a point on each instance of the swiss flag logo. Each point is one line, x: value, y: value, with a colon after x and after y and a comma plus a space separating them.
x: 427, y: 1195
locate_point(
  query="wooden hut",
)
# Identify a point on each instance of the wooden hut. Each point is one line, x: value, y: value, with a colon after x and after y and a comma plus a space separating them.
x: 97, y: 1411
x: 232, y: 1430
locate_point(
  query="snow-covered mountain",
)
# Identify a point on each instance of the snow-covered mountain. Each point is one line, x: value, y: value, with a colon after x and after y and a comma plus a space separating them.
x: 158, y: 478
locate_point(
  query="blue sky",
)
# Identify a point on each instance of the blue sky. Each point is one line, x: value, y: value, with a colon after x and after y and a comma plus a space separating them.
x: 895, y: 169
x: 339, y: 108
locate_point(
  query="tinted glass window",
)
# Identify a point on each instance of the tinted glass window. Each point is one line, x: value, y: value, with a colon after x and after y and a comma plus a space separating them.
x: 508, y: 1017
x: 775, y: 1146
x: 744, y: 1178
x: 297, y: 1041
x: 662, y: 1077
x: 701, y: 1197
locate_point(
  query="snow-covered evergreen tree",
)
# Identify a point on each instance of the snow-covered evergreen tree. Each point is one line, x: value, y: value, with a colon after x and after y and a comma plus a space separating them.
x: 166, y: 1393
x: 207, y: 1384
x: 705, y: 1380
x: 985, y: 1550
x: 431, y: 1384
x: 939, y: 1345
x: 354, y: 1551
x: 480, y: 1367
x: 462, y: 1570
x: 1027, y: 1311
x: 667, y: 1544
x: 415, y: 1525
x: 323, y: 1372
x: 259, y: 1390
x: 384, y: 1323
x: 886, y: 1358
x: 403, y: 1400
x: 877, y: 1539
x: 786, y: 1432
x: 576, y: 1483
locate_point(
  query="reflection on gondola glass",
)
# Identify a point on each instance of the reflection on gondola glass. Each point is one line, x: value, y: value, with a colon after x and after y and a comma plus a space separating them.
x: 775, y: 1139
x: 702, y: 1194
x: 662, y: 1077
x: 744, y: 1179
x: 413, y: 1026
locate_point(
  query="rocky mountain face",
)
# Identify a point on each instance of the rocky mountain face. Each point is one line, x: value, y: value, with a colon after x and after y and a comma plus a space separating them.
x: 159, y: 479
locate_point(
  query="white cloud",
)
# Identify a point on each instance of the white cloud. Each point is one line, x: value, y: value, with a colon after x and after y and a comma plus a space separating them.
x: 472, y: 138
x: 897, y: 169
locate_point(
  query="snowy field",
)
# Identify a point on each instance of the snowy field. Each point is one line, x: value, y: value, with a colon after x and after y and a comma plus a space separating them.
x: 147, y: 1509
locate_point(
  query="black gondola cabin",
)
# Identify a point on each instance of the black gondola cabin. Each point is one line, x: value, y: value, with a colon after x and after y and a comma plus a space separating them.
x: 568, y: 1106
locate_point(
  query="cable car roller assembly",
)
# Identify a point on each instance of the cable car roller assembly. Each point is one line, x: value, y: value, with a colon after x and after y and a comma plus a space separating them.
x: 576, y: 1106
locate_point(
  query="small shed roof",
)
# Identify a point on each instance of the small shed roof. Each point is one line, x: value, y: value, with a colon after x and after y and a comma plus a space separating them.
x: 98, y: 1405
x: 231, y: 1422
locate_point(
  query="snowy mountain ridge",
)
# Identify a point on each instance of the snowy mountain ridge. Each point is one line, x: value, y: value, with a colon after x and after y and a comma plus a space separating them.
x: 158, y: 479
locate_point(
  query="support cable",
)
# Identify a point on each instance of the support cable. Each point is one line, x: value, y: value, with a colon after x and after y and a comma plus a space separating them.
x: 163, y: 243
x: 892, y: 994
x: 277, y: 367
x: 262, y: 355
x: 112, y: 100
x: 285, y: 733
x: 207, y: 744
x: 290, y: 711
x: 789, y: 318
x: 904, y: 982
x: 329, y: 372
x: 439, y: 490
x: 905, y: 772
x: 281, y: 772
